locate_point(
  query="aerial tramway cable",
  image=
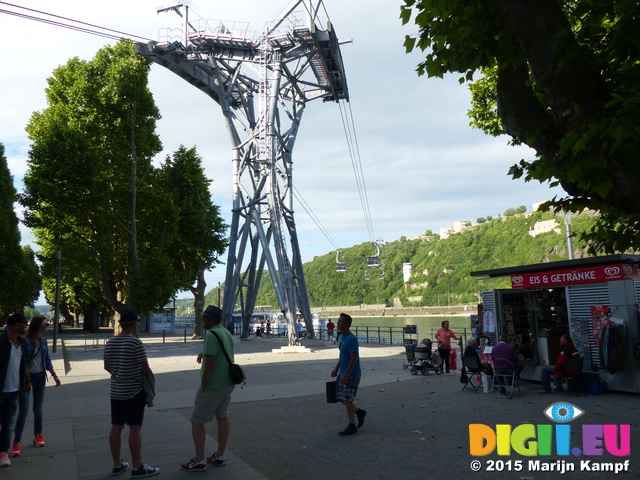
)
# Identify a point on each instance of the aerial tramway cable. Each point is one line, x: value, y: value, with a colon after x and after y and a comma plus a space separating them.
x: 89, y: 28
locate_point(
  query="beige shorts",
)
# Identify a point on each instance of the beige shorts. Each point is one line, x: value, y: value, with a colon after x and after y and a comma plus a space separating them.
x: 211, y: 403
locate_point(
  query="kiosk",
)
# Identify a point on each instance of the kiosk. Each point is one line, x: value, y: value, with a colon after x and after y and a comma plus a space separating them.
x: 595, y: 300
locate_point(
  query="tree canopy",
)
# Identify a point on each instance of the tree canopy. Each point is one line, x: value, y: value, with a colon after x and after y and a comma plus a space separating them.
x: 91, y: 189
x: 19, y: 273
x: 562, y: 77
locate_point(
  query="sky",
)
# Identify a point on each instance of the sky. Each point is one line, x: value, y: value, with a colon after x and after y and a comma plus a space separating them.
x: 424, y: 167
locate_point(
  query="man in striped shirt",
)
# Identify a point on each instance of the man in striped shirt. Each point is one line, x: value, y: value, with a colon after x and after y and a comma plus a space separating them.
x: 126, y: 360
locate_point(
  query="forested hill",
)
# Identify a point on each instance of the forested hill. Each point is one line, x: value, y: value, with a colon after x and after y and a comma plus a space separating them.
x: 440, y: 267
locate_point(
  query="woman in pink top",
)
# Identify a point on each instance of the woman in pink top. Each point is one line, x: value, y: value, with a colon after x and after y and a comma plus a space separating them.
x: 444, y: 336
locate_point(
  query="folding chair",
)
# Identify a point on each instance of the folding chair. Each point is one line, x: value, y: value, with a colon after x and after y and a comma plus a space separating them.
x: 572, y: 371
x: 472, y: 367
x: 500, y: 379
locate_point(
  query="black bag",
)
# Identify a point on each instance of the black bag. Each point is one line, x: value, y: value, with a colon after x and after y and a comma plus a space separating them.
x: 463, y: 376
x: 237, y: 374
x: 331, y: 392
x: 235, y: 370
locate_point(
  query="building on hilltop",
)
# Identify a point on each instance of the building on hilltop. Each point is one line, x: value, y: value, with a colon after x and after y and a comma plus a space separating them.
x: 457, y: 227
x: 544, y: 227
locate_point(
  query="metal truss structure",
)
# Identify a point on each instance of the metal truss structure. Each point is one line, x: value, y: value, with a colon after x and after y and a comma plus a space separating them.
x: 262, y: 86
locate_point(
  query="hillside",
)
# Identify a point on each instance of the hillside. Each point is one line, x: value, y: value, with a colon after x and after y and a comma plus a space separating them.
x: 440, y: 267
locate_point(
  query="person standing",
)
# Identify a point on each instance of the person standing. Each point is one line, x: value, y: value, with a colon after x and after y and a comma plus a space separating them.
x: 125, y: 359
x: 444, y: 336
x: 214, y: 393
x: 300, y: 329
x: 348, y: 374
x: 330, y: 328
x: 39, y: 362
x: 14, y: 378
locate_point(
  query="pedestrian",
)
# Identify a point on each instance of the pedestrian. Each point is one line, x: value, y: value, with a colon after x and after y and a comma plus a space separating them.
x: 330, y: 328
x: 268, y: 328
x: 214, y: 393
x: 300, y: 329
x: 125, y: 359
x: 444, y: 336
x: 38, y: 363
x: 348, y: 375
x: 14, y: 378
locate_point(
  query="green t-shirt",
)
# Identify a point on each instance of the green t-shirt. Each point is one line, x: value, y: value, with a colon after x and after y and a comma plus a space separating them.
x: 220, y: 377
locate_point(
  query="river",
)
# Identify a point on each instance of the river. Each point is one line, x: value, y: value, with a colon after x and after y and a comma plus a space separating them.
x: 426, y: 325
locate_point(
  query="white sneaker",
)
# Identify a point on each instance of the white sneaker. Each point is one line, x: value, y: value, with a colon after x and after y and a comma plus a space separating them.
x: 4, y: 460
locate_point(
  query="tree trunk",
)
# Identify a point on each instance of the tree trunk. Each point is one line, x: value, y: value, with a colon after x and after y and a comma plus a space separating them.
x: 199, y: 298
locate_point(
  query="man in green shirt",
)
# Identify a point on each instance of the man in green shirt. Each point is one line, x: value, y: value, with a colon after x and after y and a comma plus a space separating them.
x: 214, y: 394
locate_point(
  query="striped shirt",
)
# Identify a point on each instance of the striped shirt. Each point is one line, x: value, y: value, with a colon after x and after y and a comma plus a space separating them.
x: 123, y: 355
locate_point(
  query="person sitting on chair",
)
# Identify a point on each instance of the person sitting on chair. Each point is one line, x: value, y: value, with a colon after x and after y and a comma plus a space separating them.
x: 471, y: 352
x: 568, y: 351
x: 502, y: 354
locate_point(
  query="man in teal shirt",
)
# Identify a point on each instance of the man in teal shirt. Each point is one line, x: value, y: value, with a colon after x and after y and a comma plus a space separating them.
x: 348, y: 372
x: 214, y: 394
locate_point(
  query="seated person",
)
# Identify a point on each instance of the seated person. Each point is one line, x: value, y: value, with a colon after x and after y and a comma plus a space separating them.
x: 471, y: 352
x: 568, y: 351
x: 501, y: 352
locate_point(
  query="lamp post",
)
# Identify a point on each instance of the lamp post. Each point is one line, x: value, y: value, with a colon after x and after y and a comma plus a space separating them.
x: 56, y: 317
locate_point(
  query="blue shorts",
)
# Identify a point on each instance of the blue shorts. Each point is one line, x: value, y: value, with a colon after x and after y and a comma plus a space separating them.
x: 347, y: 392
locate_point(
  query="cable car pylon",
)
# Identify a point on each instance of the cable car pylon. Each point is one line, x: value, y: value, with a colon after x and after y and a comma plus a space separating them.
x: 262, y: 87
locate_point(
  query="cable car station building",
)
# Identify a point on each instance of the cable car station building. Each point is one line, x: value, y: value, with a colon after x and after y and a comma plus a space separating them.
x: 594, y: 300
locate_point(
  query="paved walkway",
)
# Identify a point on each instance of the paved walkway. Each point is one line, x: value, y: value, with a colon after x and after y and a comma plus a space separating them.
x: 281, y: 425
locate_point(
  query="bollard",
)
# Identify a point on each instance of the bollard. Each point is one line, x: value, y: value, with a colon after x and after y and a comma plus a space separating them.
x: 163, y: 335
x: 185, y: 335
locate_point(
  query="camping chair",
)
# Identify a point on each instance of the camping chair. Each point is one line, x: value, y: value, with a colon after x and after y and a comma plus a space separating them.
x: 471, y: 366
x: 500, y: 379
x: 572, y: 374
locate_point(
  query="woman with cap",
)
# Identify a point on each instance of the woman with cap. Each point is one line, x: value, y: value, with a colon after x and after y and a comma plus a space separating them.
x: 38, y: 363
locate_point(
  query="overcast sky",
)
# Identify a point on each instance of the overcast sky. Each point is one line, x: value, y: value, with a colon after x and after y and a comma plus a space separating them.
x: 424, y: 166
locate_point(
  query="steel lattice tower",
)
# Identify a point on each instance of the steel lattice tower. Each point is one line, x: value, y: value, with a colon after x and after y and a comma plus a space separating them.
x: 262, y: 86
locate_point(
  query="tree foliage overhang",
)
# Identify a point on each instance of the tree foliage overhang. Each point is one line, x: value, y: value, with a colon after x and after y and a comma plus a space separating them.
x: 562, y: 77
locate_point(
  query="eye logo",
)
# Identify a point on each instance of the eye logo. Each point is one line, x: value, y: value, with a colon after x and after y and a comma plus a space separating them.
x: 517, y: 279
x: 563, y: 412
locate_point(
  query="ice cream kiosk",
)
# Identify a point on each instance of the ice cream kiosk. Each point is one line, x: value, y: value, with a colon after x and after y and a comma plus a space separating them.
x: 595, y: 300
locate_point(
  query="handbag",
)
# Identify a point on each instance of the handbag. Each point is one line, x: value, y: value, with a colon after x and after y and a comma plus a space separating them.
x: 331, y: 392
x: 463, y: 376
x: 235, y: 370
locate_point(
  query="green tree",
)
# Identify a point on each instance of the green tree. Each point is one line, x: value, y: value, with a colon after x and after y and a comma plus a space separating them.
x: 559, y: 76
x: 521, y: 209
x: 201, y: 238
x: 510, y: 212
x: 91, y: 187
x: 19, y: 273
x: 481, y: 220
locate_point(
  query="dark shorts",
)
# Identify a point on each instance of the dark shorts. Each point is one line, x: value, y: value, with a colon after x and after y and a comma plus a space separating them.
x: 129, y: 411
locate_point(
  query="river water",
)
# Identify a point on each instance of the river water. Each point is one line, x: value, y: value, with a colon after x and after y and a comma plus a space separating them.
x: 426, y: 325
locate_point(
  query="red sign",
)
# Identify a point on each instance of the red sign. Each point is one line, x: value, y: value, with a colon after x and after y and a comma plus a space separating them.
x: 556, y: 278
